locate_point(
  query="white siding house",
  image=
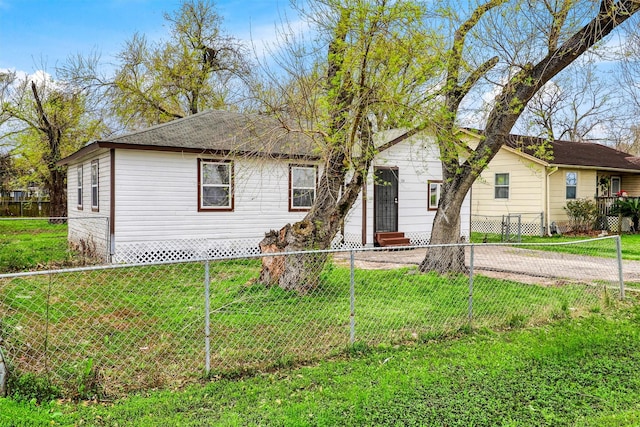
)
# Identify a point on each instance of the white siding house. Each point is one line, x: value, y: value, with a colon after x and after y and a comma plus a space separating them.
x: 215, y: 182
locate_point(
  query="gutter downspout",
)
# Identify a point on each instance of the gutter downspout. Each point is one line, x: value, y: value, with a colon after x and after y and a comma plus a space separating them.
x: 552, y: 170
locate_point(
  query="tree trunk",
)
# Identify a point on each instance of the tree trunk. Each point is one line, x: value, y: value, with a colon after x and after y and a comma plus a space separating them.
x: 56, y: 181
x: 446, y: 255
x: 57, y: 196
x: 459, y: 176
x: 301, y: 271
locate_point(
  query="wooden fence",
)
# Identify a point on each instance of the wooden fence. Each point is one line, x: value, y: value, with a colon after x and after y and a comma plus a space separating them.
x: 24, y: 209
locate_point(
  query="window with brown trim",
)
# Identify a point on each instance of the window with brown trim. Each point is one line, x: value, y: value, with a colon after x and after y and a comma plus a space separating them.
x: 302, y: 187
x: 95, y: 188
x: 434, y: 194
x: 79, y: 187
x: 215, y: 185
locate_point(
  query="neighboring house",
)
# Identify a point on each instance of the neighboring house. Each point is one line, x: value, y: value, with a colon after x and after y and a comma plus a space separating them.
x: 521, y: 180
x: 216, y: 181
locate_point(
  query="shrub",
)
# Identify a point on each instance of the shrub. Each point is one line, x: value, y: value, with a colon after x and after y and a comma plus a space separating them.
x: 31, y: 387
x: 582, y: 213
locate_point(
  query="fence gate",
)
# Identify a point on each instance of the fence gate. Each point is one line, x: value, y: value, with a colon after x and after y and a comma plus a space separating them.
x: 511, y: 228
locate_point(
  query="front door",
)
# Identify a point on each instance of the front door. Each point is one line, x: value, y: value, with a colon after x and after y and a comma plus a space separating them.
x: 385, y: 196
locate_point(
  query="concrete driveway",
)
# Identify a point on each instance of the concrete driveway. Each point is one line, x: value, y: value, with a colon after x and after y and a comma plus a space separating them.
x: 510, y: 262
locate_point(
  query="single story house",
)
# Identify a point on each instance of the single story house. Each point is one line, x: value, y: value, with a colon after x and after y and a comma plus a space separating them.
x: 532, y: 183
x: 213, y: 183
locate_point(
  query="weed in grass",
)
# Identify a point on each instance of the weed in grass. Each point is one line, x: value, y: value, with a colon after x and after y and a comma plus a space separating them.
x: 359, y: 348
x: 517, y: 321
x: 89, y: 384
x: 430, y: 336
x: 13, y: 261
x: 465, y: 329
x: 31, y: 387
x: 606, y: 298
x: 284, y: 362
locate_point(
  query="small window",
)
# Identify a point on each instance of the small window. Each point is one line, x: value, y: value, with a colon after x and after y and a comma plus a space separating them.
x: 502, y: 186
x: 79, y: 187
x: 215, y: 180
x: 302, y: 187
x: 616, y: 186
x: 572, y: 185
x: 434, y: 194
x: 94, y: 185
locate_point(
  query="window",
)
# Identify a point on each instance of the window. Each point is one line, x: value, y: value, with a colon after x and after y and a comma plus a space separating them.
x: 302, y: 187
x: 502, y: 186
x: 434, y: 194
x: 615, y: 185
x: 572, y: 185
x: 94, y: 186
x: 80, y: 187
x: 215, y: 179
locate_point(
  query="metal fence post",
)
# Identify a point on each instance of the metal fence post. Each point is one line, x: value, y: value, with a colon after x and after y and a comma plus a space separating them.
x: 207, y: 320
x: 3, y: 375
x: 470, y: 307
x: 620, y: 277
x: 519, y: 228
x: 352, y: 297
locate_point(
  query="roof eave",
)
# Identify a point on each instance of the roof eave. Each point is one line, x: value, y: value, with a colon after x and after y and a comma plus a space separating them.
x: 97, y: 145
x: 84, y: 151
x: 601, y: 168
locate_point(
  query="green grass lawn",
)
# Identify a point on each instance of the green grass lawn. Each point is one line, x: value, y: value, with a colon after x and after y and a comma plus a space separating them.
x: 31, y: 244
x: 417, y: 359
x: 114, y: 331
x: 576, y: 372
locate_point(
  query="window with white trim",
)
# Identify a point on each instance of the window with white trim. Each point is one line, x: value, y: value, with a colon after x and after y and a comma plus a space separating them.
x: 215, y: 178
x: 616, y: 185
x: 502, y: 186
x: 79, y: 186
x: 434, y: 194
x: 571, y: 185
x: 95, y: 185
x: 302, y: 187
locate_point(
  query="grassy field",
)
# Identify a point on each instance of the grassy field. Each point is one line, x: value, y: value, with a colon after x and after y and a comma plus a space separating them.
x: 578, y: 372
x: 532, y: 355
x: 31, y: 244
x: 110, y: 332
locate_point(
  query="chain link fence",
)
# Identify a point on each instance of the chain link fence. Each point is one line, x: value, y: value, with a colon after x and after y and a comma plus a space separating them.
x: 509, y: 227
x: 109, y: 330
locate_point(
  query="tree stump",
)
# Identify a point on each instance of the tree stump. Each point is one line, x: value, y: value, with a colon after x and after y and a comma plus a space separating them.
x: 298, y: 272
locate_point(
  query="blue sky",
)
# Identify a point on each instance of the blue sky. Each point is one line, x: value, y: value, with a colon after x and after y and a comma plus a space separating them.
x: 36, y: 32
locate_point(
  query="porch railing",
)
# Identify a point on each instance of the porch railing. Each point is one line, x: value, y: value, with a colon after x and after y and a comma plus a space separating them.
x: 605, y: 204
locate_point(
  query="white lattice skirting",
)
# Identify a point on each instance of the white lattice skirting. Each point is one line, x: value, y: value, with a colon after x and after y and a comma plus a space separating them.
x: 183, y: 250
x: 199, y: 249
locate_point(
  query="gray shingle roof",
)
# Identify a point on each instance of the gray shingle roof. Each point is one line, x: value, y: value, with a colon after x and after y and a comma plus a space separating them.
x: 223, y: 131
